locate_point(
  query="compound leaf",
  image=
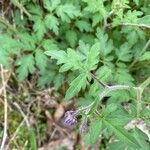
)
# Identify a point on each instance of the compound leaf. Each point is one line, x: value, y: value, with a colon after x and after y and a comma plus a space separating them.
x: 40, y: 59
x: 26, y: 65
x: 67, y: 12
x: 124, y: 53
x: 122, y: 134
x: 76, y: 86
x: 71, y: 37
x: 39, y: 27
x: 94, y: 132
x: 93, y: 56
x: 52, y: 23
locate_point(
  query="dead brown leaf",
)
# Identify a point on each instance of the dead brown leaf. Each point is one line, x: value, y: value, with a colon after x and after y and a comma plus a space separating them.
x: 59, y: 112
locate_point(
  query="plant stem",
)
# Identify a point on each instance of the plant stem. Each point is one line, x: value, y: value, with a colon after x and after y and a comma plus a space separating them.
x: 5, y: 109
x: 5, y: 22
x: 21, y: 7
x: 139, y: 96
x: 105, y: 19
x: 145, y: 84
x: 107, y: 90
x: 137, y: 25
x: 99, y: 81
x: 139, y: 90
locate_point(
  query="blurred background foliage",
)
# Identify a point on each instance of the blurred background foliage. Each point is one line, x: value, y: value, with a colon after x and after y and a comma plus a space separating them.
x: 67, y: 30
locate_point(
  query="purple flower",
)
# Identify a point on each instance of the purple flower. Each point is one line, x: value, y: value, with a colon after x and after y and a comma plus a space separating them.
x: 70, y: 118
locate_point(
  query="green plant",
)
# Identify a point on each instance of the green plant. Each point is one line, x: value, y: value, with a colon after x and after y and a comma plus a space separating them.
x: 99, y: 48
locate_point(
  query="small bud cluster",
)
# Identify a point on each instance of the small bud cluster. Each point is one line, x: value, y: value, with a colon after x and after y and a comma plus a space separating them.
x: 70, y: 120
x: 84, y: 126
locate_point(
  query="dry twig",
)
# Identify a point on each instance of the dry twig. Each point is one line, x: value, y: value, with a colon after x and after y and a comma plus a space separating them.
x: 5, y: 109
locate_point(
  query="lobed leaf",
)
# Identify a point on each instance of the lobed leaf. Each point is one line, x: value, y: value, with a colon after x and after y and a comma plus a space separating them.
x: 41, y: 60
x: 26, y: 66
x: 76, y: 86
x: 67, y: 12
x: 122, y: 134
x: 71, y: 37
x: 93, y: 56
x: 52, y: 23
x: 94, y: 132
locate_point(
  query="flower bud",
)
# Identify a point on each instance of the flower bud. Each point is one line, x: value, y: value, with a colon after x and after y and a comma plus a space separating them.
x: 84, y: 126
x: 70, y: 119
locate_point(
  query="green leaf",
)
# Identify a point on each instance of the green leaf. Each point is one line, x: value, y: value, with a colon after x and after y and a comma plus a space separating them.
x: 83, y: 25
x: 145, y: 56
x: 144, y: 20
x: 32, y: 137
x: 83, y: 49
x: 103, y: 73
x: 9, y: 44
x: 35, y: 9
x: 74, y: 59
x: 67, y: 12
x: 106, y: 45
x: 46, y: 78
x: 28, y: 41
x: 58, y: 81
x: 118, y: 144
x: 49, y: 45
x: 87, y: 38
x: 76, y: 86
x: 124, y: 52
x: 109, y: 109
x: 96, y: 6
x: 41, y: 60
x: 142, y: 138
x: 97, y: 18
x: 95, y: 104
x: 9, y: 47
x: 132, y: 16
x: 70, y: 60
x: 133, y: 34
x: 122, y: 76
x: 71, y: 37
x: 136, y: 2
x: 120, y: 96
x: 51, y: 4
x: 4, y: 59
x: 52, y: 23
x: 122, y: 134
x: 26, y: 65
x: 94, y: 132
x: 120, y: 116
x: 93, y: 56
x: 60, y: 56
x: 39, y: 27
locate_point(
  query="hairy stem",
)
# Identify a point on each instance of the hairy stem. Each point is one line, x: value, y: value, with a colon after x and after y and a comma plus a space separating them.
x: 136, y: 25
x: 139, y: 90
x: 107, y: 90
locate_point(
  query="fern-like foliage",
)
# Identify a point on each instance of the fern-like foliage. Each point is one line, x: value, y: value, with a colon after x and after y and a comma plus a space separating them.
x: 83, y: 48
